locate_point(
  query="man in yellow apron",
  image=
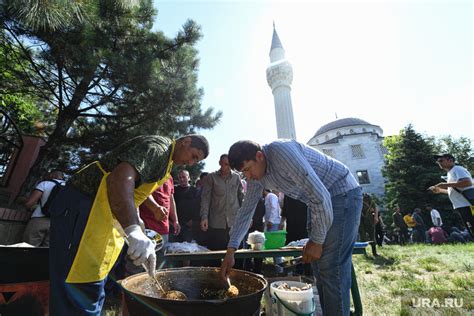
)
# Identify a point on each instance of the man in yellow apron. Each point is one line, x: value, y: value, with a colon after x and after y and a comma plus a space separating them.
x: 84, y: 244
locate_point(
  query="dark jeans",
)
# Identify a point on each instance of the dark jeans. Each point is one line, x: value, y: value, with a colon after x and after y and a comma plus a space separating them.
x: 419, y: 234
x: 403, y: 237
x: 467, y: 218
x: 186, y: 234
x: 333, y: 269
x: 218, y: 238
x: 69, y: 213
x: 379, y: 233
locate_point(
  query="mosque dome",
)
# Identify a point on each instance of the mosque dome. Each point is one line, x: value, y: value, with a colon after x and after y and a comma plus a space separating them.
x: 349, y: 121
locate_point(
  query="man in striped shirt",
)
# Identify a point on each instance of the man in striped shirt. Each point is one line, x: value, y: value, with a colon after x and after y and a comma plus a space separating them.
x: 334, y: 201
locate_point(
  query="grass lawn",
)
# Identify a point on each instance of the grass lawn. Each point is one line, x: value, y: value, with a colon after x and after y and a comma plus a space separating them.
x: 431, y: 268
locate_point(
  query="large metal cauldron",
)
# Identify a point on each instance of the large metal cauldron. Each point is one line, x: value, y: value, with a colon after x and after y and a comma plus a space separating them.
x: 193, y: 281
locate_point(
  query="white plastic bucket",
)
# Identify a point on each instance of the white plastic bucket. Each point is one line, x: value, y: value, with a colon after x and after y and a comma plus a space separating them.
x: 290, y: 303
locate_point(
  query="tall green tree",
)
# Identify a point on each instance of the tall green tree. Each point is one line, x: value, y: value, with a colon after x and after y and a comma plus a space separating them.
x: 105, y: 78
x: 410, y: 170
x: 460, y: 148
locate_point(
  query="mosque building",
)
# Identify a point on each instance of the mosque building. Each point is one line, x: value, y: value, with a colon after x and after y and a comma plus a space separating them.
x: 353, y: 141
x: 357, y: 144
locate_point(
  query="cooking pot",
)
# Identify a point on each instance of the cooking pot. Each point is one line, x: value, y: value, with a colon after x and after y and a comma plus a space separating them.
x: 195, y: 282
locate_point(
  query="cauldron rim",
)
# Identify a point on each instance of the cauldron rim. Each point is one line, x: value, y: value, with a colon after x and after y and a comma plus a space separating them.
x: 264, y: 282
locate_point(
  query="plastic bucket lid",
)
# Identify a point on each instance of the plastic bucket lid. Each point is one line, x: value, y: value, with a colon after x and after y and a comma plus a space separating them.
x: 298, y: 302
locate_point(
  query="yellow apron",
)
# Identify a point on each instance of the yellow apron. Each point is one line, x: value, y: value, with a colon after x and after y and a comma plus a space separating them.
x: 101, y: 243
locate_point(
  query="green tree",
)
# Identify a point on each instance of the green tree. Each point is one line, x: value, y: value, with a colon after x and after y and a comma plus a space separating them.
x: 15, y: 98
x: 52, y: 15
x: 410, y: 170
x: 105, y: 78
x: 24, y: 111
x: 460, y: 148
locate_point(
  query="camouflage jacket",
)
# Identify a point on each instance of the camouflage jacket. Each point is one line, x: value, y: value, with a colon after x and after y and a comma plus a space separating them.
x: 148, y: 154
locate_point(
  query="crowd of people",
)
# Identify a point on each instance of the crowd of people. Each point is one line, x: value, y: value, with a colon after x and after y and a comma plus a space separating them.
x: 426, y: 225
x: 284, y: 184
x: 113, y: 200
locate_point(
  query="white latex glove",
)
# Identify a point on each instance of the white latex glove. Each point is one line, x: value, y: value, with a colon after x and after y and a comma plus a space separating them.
x: 141, y: 249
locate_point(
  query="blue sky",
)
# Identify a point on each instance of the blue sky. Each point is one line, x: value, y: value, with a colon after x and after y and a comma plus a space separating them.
x: 390, y: 63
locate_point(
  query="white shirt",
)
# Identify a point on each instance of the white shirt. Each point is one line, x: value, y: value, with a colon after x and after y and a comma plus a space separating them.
x: 436, y: 218
x: 272, y: 209
x: 45, y: 187
x: 457, y: 199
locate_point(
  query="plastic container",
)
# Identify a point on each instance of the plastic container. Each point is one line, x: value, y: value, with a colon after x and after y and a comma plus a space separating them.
x: 290, y: 303
x: 257, y: 246
x: 276, y: 239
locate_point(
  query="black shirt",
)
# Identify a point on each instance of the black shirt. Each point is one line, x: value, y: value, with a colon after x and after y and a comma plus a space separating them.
x: 187, y: 203
x: 296, y: 214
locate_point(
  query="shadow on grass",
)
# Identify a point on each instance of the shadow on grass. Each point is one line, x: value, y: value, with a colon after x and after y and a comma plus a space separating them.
x: 383, y: 261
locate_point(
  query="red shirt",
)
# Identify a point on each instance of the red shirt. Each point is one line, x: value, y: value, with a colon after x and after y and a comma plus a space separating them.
x: 438, y: 235
x: 162, y: 196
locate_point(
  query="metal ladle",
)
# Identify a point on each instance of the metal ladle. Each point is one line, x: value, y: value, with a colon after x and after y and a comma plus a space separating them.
x: 232, y: 290
x: 172, y: 294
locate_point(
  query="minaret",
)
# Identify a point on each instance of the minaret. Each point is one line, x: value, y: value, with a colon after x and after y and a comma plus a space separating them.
x: 279, y: 78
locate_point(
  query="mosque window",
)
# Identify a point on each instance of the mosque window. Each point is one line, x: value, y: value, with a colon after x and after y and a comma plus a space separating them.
x: 363, y: 176
x: 338, y: 133
x: 317, y: 141
x: 327, y: 137
x: 364, y: 130
x: 357, y: 151
x: 329, y: 152
x: 351, y: 131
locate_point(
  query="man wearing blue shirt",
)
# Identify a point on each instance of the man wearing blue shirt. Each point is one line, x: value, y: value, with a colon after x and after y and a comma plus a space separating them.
x: 334, y: 201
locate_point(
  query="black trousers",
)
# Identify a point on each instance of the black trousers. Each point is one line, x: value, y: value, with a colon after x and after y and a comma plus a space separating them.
x: 467, y: 218
x: 217, y: 239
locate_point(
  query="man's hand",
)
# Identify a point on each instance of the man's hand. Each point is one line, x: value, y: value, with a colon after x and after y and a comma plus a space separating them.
x: 141, y: 249
x: 227, y: 263
x: 177, y: 228
x: 204, y: 225
x: 160, y: 212
x: 269, y: 225
x: 434, y: 189
x: 442, y: 186
x: 312, y: 251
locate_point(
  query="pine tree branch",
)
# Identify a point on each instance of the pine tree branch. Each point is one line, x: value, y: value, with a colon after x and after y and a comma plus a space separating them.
x: 103, y: 101
x: 31, y: 61
x: 25, y: 75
